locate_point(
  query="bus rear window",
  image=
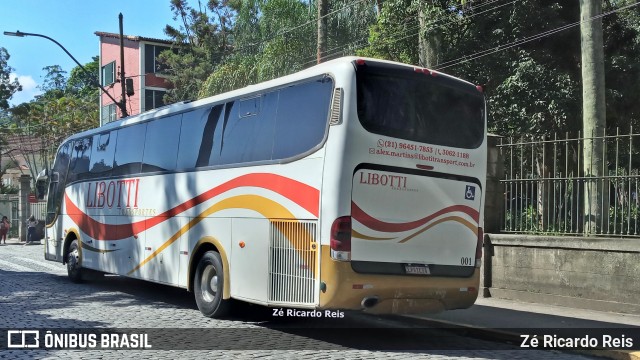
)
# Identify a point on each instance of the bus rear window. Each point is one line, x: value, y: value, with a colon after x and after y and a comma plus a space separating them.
x: 414, y: 106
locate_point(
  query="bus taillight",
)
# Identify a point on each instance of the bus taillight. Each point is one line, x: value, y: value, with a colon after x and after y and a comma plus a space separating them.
x: 341, y: 239
x: 479, y: 247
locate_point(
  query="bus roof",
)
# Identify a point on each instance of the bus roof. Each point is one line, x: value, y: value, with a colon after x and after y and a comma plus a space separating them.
x: 332, y: 66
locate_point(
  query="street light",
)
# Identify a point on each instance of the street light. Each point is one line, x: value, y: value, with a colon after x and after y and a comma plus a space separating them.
x: 122, y: 104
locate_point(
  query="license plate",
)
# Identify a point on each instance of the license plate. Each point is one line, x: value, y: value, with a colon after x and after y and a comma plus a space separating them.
x: 416, y: 270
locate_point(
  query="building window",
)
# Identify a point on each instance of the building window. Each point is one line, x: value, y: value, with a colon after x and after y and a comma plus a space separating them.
x: 109, y: 113
x: 109, y: 73
x: 153, y: 99
x: 151, y: 63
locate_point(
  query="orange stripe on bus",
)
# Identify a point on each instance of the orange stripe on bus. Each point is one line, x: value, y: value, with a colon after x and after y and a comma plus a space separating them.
x: 266, y: 207
x: 302, y: 194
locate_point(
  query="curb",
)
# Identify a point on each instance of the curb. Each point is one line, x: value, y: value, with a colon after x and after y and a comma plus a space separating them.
x: 515, y: 339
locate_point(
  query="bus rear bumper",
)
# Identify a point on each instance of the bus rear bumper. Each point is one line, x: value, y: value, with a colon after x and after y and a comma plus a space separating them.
x: 392, y: 294
x: 407, y: 306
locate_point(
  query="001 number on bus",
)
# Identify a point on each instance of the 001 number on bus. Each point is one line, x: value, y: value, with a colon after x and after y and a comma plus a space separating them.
x: 465, y: 261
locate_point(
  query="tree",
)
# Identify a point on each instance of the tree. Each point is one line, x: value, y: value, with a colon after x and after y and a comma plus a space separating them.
x: 271, y: 39
x: 67, y: 106
x: 82, y: 84
x: 281, y: 50
x: 7, y: 86
x: 264, y: 45
x: 348, y: 26
x: 201, y: 42
x: 7, y: 89
x: 462, y: 34
x: 393, y: 36
x: 54, y: 83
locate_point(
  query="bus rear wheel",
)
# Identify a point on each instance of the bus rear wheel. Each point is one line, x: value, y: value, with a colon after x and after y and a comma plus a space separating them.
x: 209, y: 285
x: 74, y: 261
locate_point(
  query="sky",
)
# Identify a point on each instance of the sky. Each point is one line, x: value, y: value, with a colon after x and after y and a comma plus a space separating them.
x: 73, y: 24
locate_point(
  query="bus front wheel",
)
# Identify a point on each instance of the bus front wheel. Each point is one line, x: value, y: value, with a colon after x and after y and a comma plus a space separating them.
x: 209, y: 285
x: 74, y: 260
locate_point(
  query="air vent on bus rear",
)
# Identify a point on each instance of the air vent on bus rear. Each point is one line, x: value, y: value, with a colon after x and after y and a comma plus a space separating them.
x: 336, y: 107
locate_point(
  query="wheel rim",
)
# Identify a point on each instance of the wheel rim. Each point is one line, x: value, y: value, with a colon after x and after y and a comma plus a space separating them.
x: 209, y: 283
x: 72, y: 260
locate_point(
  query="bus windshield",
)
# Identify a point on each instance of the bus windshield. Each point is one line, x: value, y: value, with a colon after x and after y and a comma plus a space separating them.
x: 402, y: 103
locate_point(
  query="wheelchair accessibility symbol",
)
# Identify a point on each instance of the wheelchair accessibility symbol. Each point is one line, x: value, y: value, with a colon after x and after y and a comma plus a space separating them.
x: 470, y: 193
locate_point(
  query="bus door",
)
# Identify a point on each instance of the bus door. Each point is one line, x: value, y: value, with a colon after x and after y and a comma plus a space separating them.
x: 163, y: 246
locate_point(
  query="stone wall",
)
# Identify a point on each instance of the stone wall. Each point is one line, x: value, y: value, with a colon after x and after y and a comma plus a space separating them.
x: 591, y: 273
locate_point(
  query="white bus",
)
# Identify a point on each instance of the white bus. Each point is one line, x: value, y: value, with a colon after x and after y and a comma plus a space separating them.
x: 354, y: 184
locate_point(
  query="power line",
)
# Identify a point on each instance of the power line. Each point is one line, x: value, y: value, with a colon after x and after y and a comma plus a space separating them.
x: 410, y: 30
x: 402, y: 34
x: 286, y: 31
x: 359, y: 42
x: 493, y: 50
x: 518, y: 42
x: 467, y: 17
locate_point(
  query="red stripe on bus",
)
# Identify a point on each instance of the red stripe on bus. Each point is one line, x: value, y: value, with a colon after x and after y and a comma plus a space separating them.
x: 302, y: 194
x: 372, y: 223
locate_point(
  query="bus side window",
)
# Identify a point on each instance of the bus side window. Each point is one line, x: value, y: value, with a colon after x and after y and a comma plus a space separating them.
x: 102, y: 154
x: 196, y: 137
x: 161, y: 147
x: 249, y: 129
x: 129, y: 149
x: 207, y: 144
x: 80, y: 155
x: 303, y: 117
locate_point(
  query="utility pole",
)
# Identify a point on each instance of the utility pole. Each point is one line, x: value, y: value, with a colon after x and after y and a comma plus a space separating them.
x: 123, y: 105
x: 593, y: 114
x: 323, y: 8
x: 429, y: 39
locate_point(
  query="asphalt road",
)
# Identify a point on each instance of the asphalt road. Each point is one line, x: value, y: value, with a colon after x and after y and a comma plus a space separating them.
x: 35, y: 294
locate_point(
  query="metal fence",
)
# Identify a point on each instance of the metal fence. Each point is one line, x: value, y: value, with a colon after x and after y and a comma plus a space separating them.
x: 545, y: 186
x: 39, y: 210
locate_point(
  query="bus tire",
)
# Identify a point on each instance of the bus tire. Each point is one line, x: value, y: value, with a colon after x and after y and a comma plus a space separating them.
x: 74, y: 261
x: 208, y: 286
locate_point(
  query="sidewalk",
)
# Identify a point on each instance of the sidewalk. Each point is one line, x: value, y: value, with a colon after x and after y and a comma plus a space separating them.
x: 506, y: 320
x: 16, y: 241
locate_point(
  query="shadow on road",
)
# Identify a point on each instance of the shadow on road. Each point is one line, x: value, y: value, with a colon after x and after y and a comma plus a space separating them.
x: 30, y: 298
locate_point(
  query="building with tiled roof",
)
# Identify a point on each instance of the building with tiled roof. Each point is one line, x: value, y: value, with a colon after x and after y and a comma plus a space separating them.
x: 17, y: 157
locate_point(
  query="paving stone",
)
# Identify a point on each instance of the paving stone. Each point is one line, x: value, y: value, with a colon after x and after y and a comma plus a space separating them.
x: 35, y: 294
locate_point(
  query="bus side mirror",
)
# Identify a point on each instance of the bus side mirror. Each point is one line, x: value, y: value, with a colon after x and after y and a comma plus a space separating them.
x: 41, y: 189
x: 55, y: 177
x: 41, y: 184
